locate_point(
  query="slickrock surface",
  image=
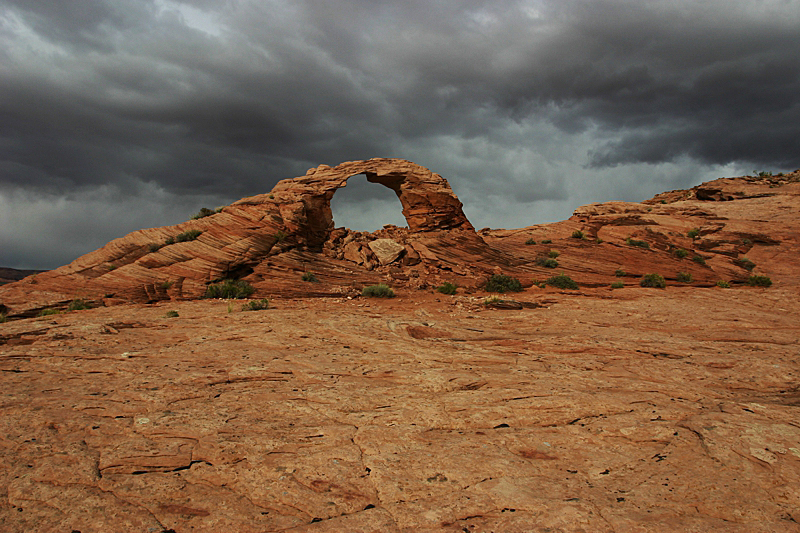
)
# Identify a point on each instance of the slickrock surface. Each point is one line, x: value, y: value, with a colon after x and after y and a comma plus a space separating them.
x: 634, y: 410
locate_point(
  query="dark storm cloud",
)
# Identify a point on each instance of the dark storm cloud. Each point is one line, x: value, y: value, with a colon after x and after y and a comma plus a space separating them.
x: 508, y: 99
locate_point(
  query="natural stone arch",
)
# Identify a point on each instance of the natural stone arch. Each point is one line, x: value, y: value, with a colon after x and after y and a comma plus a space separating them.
x: 428, y: 202
x: 367, y: 207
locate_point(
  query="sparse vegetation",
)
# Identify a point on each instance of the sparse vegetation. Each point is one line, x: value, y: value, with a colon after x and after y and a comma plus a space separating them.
x: 502, y: 283
x: 491, y: 300
x: 562, y: 281
x: 48, y: 312
x: 578, y: 234
x: 598, y: 240
x: 638, y: 244
x: 759, y: 281
x: 154, y: 247
x: 172, y: 314
x: 547, y: 241
x: 187, y: 236
x: 280, y: 236
x: 78, y: 305
x: 380, y: 290
x: 693, y: 233
x: 553, y: 253
x: 3, y: 317
x: 747, y: 242
x: 684, y: 277
x: 699, y: 259
x: 620, y: 273
x: 447, y: 288
x: 744, y: 263
x: 165, y: 285
x: 680, y: 253
x: 764, y: 174
x: 547, y: 262
x: 256, y: 305
x: 204, y: 212
x: 310, y: 277
x: 530, y: 241
x: 723, y: 284
x: 617, y: 285
x: 169, y: 240
x: 653, y: 280
x: 230, y: 288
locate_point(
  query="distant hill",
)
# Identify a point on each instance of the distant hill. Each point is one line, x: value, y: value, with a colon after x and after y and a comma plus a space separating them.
x: 9, y: 275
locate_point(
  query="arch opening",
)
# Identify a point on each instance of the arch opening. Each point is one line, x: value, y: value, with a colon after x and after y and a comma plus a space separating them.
x: 366, y: 206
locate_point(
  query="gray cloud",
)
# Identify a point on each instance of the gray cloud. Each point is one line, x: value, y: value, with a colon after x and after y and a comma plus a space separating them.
x: 529, y: 108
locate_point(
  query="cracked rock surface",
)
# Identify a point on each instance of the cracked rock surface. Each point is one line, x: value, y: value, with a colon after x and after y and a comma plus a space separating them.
x: 634, y: 410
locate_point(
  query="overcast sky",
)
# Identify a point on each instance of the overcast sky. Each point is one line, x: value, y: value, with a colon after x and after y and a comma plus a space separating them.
x: 117, y: 115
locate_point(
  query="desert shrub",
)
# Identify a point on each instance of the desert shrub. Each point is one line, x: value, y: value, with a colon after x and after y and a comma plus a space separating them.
x: 165, y: 285
x: 530, y: 241
x: 310, y: 277
x: 653, y: 280
x: 230, y: 288
x: 723, y: 284
x: 620, y: 273
x: 680, y: 253
x: 447, y: 288
x: 546, y: 262
x: 154, y: 247
x: 204, y: 212
x: 491, y: 300
x: 78, y: 305
x: 380, y: 290
x: 502, y: 283
x: 219, y: 209
x: 639, y: 244
x: 747, y: 242
x: 562, y: 281
x: 759, y: 281
x: 663, y: 201
x: 598, y: 240
x: 48, y: 312
x: 553, y: 253
x: 744, y: 263
x: 186, y: 236
x: 256, y: 305
x: 172, y: 314
x: 3, y: 317
x: 684, y: 277
x: 765, y: 174
x: 280, y: 236
x: 578, y: 234
x: 699, y: 259
x: 169, y: 240
x: 547, y: 241
x: 617, y: 285
x: 693, y: 233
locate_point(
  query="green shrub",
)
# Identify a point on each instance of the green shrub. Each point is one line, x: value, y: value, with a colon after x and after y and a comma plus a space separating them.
x: 723, y: 284
x: 256, y: 305
x: 165, y: 285
x: 310, y: 277
x: 744, y: 263
x: 547, y: 262
x: 684, y: 277
x: 3, y: 317
x: 447, y: 288
x: 598, y: 240
x: 663, y: 201
x: 547, y: 241
x: 230, y: 288
x: 204, y: 212
x: 280, y: 236
x: 680, y: 253
x: 639, y: 244
x: 562, y: 281
x: 378, y: 291
x: 699, y: 259
x: 172, y: 314
x: 578, y: 234
x: 653, y: 280
x: 620, y: 273
x: 78, y: 305
x: 187, y: 236
x: 530, y: 241
x: 502, y: 283
x: 747, y: 242
x: 759, y: 281
x: 694, y: 233
x: 491, y: 300
x: 155, y: 247
x: 48, y: 312
x: 617, y: 285
x: 765, y: 174
x: 553, y: 253
x: 169, y: 240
